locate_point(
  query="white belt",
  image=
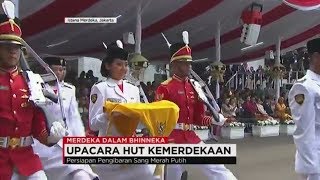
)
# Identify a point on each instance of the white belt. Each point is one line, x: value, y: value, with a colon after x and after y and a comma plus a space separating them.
x: 8, y: 142
x: 184, y: 126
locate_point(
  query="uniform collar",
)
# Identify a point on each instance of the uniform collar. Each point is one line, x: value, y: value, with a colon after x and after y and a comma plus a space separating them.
x: 14, y: 72
x: 54, y: 84
x: 179, y: 78
x: 313, y: 75
x: 113, y: 82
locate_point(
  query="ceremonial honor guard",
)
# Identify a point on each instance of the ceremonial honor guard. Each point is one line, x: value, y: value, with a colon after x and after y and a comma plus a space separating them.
x: 179, y: 90
x: 114, y: 89
x: 51, y: 157
x: 304, y: 101
x: 20, y: 119
x: 68, y: 92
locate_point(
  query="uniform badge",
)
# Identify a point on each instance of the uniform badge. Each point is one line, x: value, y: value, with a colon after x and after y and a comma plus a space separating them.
x: 160, y: 96
x: 24, y: 96
x: 299, y: 98
x: 94, y: 98
x: 23, y: 90
x: 115, y: 100
x: 24, y: 104
x: 161, y: 128
x: 4, y: 88
x: 180, y: 92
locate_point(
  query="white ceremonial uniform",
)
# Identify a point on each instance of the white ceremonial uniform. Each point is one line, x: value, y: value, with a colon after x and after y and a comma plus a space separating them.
x: 110, y: 91
x: 51, y: 157
x: 304, y: 101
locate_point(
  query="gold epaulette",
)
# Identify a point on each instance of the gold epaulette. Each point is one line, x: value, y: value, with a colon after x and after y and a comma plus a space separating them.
x: 166, y: 81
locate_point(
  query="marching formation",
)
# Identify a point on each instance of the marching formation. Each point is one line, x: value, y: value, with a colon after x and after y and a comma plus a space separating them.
x: 31, y: 130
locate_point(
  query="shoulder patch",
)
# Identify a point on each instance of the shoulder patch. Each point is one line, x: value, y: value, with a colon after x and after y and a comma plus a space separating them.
x: 94, y: 98
x: 299, y: 98
x: 159, y: 97
x: 166, y: 81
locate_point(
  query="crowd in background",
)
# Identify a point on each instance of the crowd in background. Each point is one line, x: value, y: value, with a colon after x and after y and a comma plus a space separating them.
x: 252, y: 98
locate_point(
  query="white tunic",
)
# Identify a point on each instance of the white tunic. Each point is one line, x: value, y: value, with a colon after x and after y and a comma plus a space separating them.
x: 304, y: 101
x: 70, y: 105
x: 51, y: 157
x: 110, y: 91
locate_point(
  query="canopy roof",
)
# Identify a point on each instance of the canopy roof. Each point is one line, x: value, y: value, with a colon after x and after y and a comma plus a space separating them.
x: 44, y: 28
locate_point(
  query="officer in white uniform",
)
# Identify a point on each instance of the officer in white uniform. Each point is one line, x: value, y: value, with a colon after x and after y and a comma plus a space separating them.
x: 51, y: 157
x: 114, y: 67
x: 304, y: 101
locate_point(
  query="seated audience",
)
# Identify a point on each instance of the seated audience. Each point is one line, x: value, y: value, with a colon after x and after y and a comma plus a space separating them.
x: 261, y: 113
x: 281, y: 110
x: 227, y: 111
x: 268, y: 106
x: 249, y: 107
x: 233, y: 106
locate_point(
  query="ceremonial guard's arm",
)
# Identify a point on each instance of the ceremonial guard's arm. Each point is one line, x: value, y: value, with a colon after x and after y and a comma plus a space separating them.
x: 162, y: 93
x: 75, y: 120
x: 97, y: 118
x: 302, y: 104
x: 202, y: 119
x: 39, y: 128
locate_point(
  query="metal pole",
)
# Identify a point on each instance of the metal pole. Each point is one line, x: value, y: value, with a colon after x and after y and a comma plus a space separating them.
x: 138, y: 30
x: 289, y: 78
x: 243, y: 81
x: 236, y: 81
x: 277, y: 82
x: 254, y: 81
x: 218, y: 57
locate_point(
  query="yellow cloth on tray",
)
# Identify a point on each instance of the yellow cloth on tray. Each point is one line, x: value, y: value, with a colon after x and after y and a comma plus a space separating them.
x: 160, y: 117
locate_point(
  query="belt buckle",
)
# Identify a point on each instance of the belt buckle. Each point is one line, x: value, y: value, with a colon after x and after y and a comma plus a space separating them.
x: 14, y: 142
x: 186, y: 127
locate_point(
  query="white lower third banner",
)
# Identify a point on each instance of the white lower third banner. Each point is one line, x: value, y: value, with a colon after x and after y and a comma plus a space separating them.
x: 116, y: 153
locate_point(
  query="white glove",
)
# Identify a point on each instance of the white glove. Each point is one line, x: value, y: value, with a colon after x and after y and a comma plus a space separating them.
x: 57, y: 132
x: 221, y: 122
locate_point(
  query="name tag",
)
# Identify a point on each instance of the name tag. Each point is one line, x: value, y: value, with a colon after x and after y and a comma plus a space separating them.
x: 4, y: 88
x: 180, y: 92
x: 116, y: 100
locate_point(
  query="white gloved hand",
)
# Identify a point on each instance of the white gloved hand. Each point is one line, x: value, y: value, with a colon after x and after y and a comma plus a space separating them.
x: 57, y: 132
x: 221, y: 122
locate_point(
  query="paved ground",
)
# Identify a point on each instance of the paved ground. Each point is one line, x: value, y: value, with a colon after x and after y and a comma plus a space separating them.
x: 269, y: 158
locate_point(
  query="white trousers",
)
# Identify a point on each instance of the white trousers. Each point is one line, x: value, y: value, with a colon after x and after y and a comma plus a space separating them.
x: 309, y: 177
x: 51, y: 159
x: 39, y: 175
x: 118, y: 172
x: 201, y: 171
